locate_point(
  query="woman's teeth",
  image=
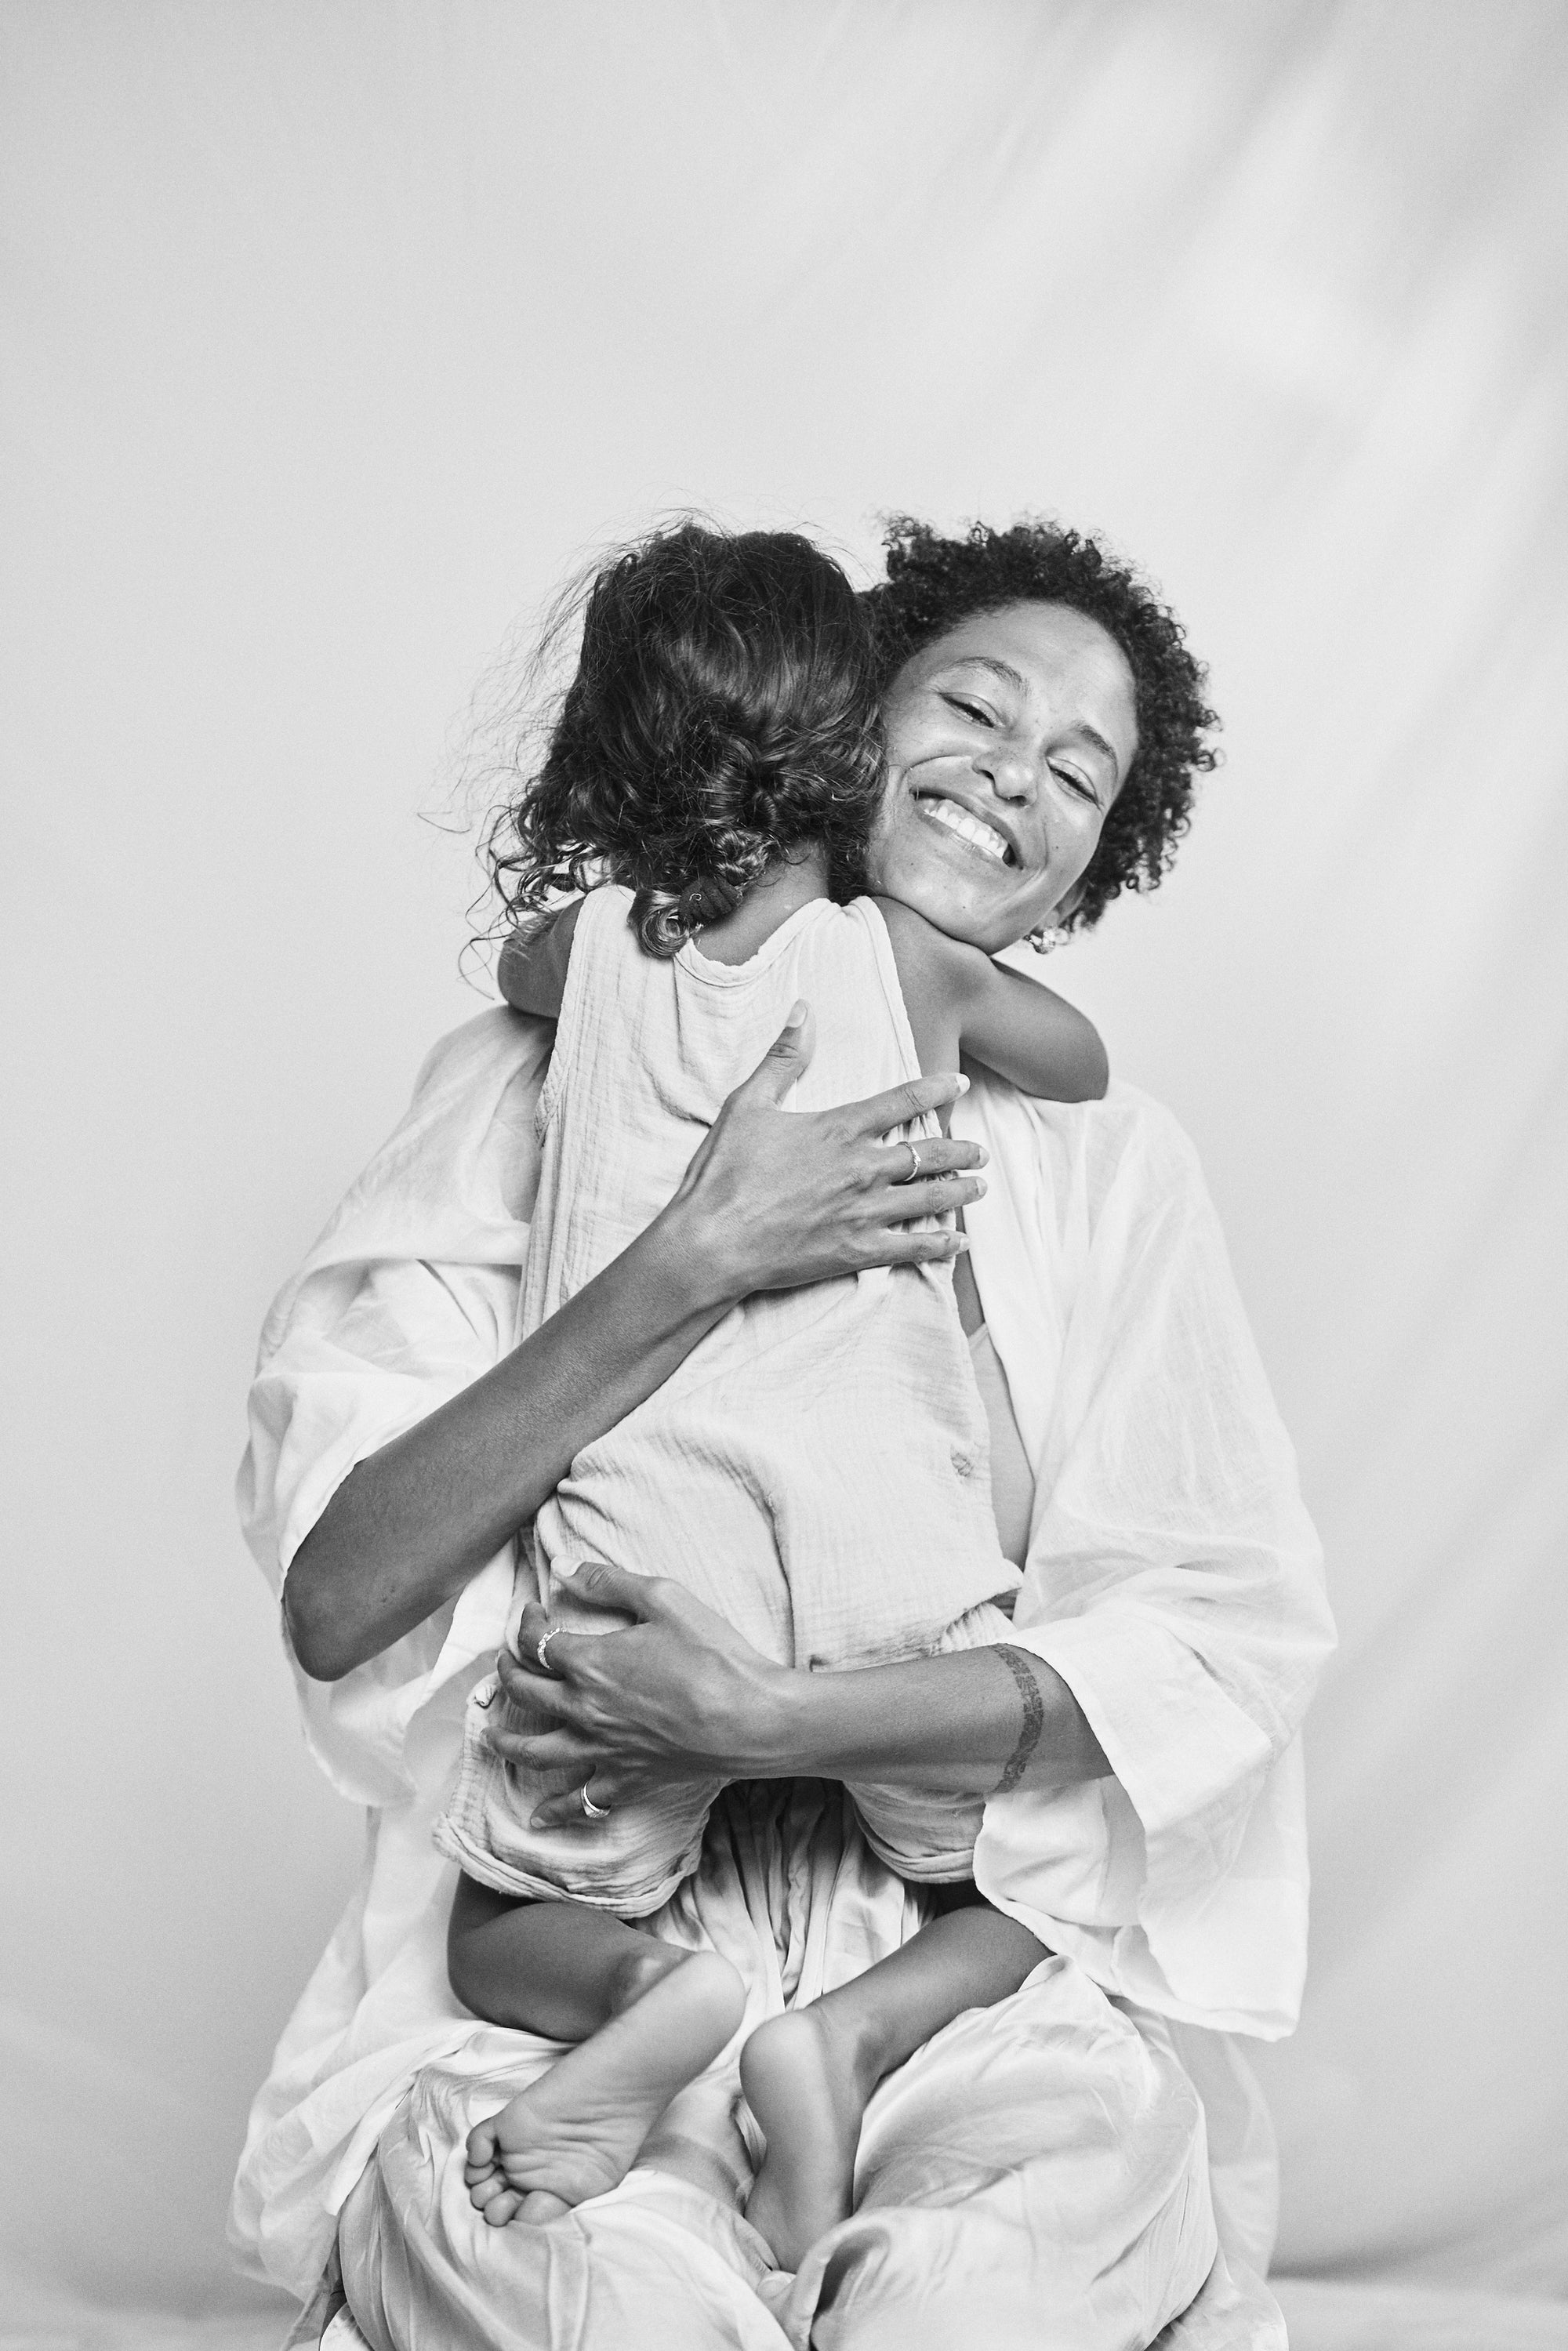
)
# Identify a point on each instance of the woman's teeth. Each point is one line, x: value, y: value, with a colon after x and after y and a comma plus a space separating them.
x: 970, y: 829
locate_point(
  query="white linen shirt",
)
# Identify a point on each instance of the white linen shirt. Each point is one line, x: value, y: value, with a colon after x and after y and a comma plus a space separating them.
x: 1173, y: 1580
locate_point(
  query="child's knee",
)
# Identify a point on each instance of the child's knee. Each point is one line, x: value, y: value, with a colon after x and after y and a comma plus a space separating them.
x: 474, y: 1908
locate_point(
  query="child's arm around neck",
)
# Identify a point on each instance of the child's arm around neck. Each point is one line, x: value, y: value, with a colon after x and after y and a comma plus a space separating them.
x: 961, y: 1003
x: 531, y: 973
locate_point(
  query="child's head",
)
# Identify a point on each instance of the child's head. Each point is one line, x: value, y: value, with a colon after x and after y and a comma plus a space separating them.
x: 723, y: 716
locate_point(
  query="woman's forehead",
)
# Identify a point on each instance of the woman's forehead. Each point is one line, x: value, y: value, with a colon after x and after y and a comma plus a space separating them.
x: 1050, y: 653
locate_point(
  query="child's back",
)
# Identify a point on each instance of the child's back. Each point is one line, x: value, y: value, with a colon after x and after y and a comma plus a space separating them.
x: 816, y: 1471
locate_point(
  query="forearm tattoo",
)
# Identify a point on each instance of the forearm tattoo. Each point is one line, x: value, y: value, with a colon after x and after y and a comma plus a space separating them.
x: 1033, y: 1717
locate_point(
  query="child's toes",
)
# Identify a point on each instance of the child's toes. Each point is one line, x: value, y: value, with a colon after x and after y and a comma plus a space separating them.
x: 539, y: 2205
x: 482, y: 2192
x: 482, y: 2146
x: 500, y: 2208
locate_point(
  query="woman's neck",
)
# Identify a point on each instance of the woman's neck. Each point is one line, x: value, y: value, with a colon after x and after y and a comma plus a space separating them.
x: 788, y: 884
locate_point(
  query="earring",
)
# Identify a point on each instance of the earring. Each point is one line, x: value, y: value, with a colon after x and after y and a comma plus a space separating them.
x: 1043, y: 940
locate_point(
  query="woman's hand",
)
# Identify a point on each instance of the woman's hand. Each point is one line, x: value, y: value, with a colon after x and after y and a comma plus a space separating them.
x: 678, y: 1695
x: 772, y: 1199
x: 775, y: 1199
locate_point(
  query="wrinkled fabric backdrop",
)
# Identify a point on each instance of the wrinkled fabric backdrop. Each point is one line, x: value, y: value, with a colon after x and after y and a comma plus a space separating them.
x: 336, y: 334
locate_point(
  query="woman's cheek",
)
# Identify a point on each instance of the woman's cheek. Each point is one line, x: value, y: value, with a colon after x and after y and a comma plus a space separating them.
x: 1074, y: 839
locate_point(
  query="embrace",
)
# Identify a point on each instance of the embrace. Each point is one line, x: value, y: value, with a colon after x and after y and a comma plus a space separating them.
x: 791, y: 1543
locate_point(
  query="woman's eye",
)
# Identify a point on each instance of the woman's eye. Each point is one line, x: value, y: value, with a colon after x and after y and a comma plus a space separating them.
x: 1079, y: 784
x: 974, y: 710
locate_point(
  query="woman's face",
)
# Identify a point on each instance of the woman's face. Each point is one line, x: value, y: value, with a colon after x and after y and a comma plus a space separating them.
x: 1006, y: 741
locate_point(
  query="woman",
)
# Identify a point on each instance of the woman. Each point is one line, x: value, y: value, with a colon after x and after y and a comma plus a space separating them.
x: 1039, y: 2172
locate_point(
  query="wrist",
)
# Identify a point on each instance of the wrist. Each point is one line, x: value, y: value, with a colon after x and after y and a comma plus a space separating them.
x: 691, y: 1260
x: 764, y: 1733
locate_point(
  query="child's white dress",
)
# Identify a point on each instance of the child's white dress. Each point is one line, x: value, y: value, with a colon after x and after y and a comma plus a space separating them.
x: 816, y: 1470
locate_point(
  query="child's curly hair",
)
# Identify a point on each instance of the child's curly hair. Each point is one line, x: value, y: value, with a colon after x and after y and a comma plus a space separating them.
x: 934, y: 582
x: 723, y: 715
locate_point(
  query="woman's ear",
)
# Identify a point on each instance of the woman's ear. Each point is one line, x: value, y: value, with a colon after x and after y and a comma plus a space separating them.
x: 1053, y: 931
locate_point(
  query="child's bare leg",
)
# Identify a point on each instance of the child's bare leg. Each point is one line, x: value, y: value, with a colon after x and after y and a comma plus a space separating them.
x: 648, y: 2016
x: 809, y: 2074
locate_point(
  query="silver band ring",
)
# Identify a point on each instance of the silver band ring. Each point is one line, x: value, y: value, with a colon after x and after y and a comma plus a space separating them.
x: 914, y: 1151
x: 594, y: 1812
x: 540, y: 1659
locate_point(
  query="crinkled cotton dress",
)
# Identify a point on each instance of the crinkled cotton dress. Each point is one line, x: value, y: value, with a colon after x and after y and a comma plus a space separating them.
x: 816, y: 1470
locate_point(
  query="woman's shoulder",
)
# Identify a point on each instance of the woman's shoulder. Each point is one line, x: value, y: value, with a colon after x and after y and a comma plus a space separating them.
x: 453, y: 1182
x: 488, y: 1051
x: 1132, y: 1122
x: 1128, y: 1142
x: 1125, y: 1122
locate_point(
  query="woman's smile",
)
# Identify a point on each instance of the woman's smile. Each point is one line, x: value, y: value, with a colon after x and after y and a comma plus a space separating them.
x: 956, y: 817
x: 1008, y: 739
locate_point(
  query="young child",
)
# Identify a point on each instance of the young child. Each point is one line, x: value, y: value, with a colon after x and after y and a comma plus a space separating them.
x: 817, y: 1468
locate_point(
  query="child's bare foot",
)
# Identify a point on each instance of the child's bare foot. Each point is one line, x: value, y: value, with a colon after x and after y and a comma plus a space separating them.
x: 576, y: 2132
x: 807, y: 2085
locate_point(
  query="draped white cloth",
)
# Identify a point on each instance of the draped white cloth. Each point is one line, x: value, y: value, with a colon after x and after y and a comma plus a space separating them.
x: 1172, y: 1579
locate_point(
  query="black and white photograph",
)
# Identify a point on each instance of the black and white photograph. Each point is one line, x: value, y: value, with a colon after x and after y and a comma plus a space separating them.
x: 787, y: 1161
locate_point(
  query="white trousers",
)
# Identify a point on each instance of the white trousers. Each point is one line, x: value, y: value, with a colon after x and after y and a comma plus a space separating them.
x: 1035, y: 2179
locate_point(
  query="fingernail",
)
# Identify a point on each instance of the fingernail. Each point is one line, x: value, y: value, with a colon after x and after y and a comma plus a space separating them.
x: 985, y: 1158
x: 797, y: 1013
x: 963, y: 1083
x: 979, y: 1187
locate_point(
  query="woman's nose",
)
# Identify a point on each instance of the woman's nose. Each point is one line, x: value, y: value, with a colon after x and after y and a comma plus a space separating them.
x: 1009, y: 770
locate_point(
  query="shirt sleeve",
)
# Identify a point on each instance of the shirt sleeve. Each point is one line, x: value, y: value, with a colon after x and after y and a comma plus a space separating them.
x: 1174, y: 1582
x: 409, y: 1295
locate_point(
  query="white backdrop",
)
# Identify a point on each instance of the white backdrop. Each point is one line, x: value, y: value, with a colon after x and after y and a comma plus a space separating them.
x: 337, y: 329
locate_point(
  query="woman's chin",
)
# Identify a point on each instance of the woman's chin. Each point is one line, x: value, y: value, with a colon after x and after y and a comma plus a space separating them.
x: 960, y: 890
x: 956, y: 902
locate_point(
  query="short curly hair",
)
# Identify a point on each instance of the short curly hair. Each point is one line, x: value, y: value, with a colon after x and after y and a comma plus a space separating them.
x: 933, y: 583
x: 723, y: 716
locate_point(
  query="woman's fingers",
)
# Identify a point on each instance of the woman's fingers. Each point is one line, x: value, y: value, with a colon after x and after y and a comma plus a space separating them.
x: 931, y: 1197
x: 528, y: 1684
x: 606, y: 1787
x: 646, y: 1597
x: 561, y: 1812
x: 900, y: 1104
x: 531, y: 1630
x: 932, y: 1245
x: 555, y: 1751
x: 935, y: 1155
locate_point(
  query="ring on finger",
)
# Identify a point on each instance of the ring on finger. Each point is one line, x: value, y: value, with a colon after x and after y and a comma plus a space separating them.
x: 591, y: 1810
x: 913, y: 1150
x: 540, y: 1659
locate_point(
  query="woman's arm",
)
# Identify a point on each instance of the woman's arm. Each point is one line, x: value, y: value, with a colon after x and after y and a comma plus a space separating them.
x: 680, y: 1695
x: 772, y: 1199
